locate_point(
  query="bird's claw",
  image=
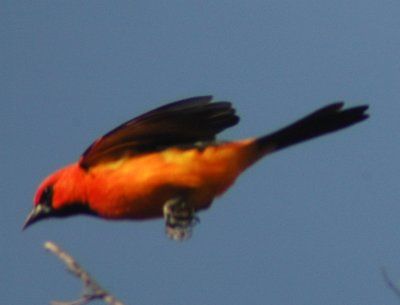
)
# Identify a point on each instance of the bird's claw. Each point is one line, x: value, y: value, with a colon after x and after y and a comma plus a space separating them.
x: 180, y: 218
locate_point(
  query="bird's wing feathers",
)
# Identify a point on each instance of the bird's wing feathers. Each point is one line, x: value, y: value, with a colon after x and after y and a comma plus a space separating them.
x: 182, y: 122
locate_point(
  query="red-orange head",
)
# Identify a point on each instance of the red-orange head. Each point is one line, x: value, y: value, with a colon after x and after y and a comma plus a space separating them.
x: 61, y: 194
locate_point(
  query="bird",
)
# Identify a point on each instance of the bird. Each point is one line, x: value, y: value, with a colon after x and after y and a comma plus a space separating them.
x: 167, y: 163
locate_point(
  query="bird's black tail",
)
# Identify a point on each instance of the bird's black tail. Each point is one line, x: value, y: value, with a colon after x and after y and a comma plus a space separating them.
x: 325, y: 120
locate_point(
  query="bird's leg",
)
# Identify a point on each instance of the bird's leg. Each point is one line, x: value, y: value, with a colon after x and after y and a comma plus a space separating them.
x: 180, y: 217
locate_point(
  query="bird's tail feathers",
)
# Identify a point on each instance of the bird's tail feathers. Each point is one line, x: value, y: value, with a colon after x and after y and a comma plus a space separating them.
x: 328, y: 119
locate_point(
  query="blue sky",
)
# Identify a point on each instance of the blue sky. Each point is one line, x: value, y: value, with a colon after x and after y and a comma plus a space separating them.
x: 311, y: 225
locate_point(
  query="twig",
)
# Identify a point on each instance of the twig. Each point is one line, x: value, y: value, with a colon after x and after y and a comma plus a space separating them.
x: 91, y: 289
x: 390, y: 283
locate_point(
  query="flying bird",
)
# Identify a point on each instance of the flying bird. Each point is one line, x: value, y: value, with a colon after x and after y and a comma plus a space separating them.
x: 168, y: 163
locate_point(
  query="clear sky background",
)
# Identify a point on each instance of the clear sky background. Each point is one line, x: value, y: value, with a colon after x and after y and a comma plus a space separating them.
x: 311, y: 225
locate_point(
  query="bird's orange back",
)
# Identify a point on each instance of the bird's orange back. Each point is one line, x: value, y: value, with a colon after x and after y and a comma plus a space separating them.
x: 137, y: 187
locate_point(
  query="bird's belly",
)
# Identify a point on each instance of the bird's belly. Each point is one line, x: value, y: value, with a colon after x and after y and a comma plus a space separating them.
x: 139, y: 187
x: 143, y: 201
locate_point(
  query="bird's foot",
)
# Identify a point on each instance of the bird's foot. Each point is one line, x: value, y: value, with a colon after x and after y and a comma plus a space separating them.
x: 180, y: 218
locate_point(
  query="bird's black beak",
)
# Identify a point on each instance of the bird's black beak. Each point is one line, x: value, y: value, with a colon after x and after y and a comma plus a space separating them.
x: 39, y: 212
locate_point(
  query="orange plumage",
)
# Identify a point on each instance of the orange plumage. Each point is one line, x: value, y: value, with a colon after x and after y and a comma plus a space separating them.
x: 168, y: 163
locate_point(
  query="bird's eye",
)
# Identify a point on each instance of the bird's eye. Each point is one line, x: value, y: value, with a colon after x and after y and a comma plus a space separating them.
x: 47, y: 196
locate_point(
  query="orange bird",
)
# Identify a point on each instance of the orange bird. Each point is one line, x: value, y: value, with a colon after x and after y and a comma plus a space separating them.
x: 167, y: 163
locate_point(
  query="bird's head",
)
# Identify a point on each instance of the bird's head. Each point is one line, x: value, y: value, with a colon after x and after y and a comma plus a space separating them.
x: 60, y: 195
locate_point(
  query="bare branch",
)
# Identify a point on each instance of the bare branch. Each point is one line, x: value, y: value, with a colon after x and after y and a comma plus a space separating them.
x: 91, y: 289
x: 390, y: 283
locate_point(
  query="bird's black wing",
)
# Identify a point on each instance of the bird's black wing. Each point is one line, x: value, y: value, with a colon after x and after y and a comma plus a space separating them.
x: 179, y: 123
